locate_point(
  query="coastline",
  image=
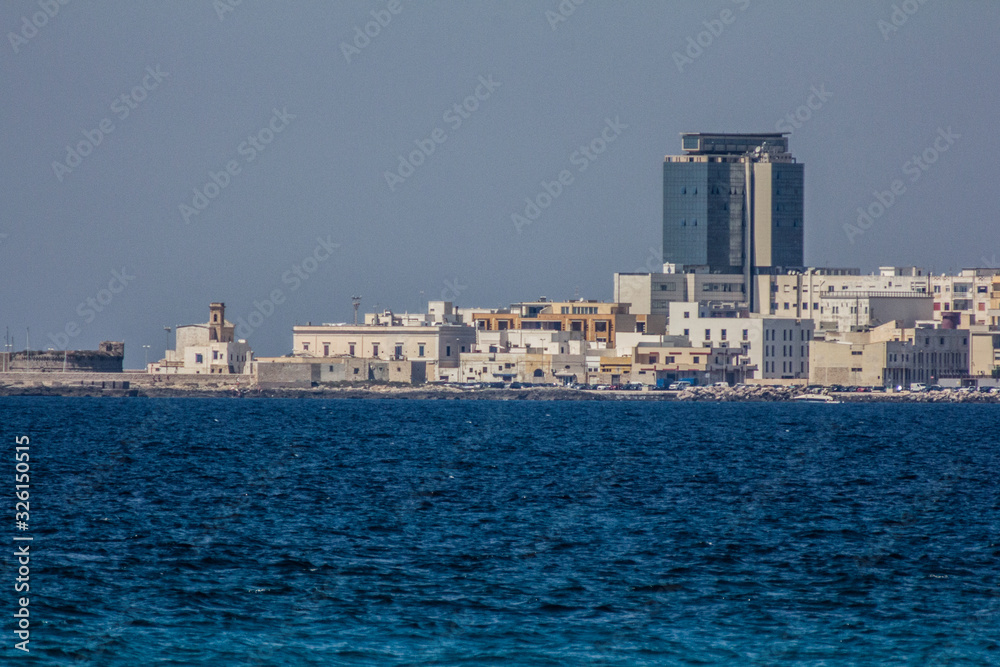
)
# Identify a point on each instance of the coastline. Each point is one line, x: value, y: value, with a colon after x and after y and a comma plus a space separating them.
x: 221, y: 389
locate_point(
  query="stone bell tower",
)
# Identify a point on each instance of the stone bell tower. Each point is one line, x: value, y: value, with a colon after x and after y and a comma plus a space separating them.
x: 216, y: 322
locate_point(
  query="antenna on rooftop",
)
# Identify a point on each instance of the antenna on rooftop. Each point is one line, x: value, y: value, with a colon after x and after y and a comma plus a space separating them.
x: 356, y: 302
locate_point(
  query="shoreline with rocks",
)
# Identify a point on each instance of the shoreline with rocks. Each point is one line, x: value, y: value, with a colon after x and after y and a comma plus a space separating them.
x: 751, y: 393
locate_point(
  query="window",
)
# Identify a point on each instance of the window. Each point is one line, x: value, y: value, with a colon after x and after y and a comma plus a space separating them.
x: 326, y: 349
x: 199, y: 359
x: 374, y: 349
x: 708, y: 334
x: 746, y: 334
x: 399, y: 351
x: 305, y: 346
x: 215, y: 355
x: 723, y: 334
x: 687, y: 332
x: 420, y: 350
x: 687, y: 315
x: 447, y: 350
x: 350, y: 349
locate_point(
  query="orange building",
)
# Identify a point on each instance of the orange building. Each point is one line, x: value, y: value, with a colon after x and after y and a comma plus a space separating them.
x: 595, y: 321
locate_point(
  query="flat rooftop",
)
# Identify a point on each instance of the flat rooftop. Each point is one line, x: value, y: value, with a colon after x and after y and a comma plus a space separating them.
x: 717, y: 143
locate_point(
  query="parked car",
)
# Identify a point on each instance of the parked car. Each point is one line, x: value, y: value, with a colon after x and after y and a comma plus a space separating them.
x: 918, y: 386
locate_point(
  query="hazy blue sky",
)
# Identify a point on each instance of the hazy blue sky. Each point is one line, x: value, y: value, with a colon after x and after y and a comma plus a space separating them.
x: 339, y: 108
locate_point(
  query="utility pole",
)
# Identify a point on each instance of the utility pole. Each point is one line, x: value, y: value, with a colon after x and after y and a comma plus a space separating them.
x: 748, y: 233
x: 356, y: 302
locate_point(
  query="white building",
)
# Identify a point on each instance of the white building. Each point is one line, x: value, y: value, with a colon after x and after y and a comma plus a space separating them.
x: 777, y: 346
x: 206, y: 349
x: 434, y: 337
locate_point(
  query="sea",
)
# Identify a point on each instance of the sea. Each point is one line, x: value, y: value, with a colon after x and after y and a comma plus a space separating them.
x: 227, y: 531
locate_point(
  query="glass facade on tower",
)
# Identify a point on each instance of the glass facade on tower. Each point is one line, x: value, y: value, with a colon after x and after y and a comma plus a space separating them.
x: 705, y: 215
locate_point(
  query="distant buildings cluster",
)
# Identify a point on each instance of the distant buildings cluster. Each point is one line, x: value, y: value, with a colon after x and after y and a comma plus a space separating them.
x: 732, y: 303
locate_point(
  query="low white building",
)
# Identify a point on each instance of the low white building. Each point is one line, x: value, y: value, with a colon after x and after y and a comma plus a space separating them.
x: 855, y: 311
x: 206, y: 349
x: 777, y: 347
x: 391, y: 338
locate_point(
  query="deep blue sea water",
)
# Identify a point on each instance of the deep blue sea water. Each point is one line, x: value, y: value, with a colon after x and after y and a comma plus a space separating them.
x: 385, y: 532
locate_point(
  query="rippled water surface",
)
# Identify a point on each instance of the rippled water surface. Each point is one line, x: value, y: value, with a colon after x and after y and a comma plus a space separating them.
x: 380, y: 532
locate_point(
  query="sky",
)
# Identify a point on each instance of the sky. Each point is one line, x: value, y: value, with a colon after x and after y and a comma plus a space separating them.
x: 283, y: 157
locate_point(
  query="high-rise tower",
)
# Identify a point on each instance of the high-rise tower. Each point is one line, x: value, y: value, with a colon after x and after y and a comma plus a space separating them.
x: 732, y: 203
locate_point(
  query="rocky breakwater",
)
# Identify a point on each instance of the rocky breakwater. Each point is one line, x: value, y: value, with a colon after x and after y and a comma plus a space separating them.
x: 945, y: 396
x: 782, y: 393
x: 743, y: 393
